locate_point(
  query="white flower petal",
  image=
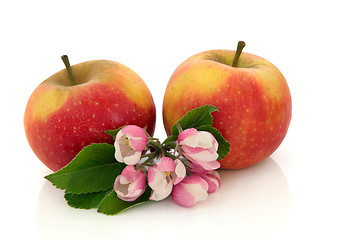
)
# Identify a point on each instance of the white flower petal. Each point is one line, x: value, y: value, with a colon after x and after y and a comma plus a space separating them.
x: 191, y: 141
x: 123, y: 180
x: 180, y: 172
x: 197, y: 191
x: 205, y: 139
x: 133, y: 158
x: 162, y: 193
x: 159, y: 180
x: 135, y: 193
x: 203, y: 156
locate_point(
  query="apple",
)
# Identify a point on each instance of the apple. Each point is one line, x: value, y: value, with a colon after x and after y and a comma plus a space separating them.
x: 251, y: 94
x: 74, y: 107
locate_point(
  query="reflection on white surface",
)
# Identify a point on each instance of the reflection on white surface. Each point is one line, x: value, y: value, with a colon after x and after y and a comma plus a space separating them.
x: 248, y: 200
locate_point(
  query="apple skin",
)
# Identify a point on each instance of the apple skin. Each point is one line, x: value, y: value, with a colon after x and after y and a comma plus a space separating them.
x: 61, y: 118
x: 253, y: 99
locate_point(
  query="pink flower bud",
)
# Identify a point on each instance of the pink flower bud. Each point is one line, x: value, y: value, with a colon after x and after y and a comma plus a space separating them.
x: 190, y: 191
x: 130, y: 184
x: 203, y: 167
x: 129, y: 143
x: 163, y: 176
x: 213, y: 180
x: 200, y: 147
x: 179, y: 173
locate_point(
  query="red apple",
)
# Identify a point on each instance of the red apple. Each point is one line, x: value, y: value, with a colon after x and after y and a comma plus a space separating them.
x: 74, y: 107
x: 251, y: 94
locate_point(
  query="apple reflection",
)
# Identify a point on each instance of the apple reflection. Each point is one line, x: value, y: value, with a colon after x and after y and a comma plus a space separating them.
x: 251, y: 202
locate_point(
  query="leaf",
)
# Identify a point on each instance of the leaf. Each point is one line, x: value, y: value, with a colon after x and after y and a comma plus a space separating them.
x: 170, y: 139
x: 224, y: 146
x: 86, y: 200
x: 195, y: 118
x: 170, y: 142
x: 112, y: 205
x: 94, y: 169
x: 114, y: 132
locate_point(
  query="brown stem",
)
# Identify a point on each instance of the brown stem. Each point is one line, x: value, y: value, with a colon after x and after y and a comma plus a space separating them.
x: 65, y: 59
x: 240, y: 47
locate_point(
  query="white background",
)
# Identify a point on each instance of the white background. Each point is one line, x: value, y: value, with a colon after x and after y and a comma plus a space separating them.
x: 308, y: 189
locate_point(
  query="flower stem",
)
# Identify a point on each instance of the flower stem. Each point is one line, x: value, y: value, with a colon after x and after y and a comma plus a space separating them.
x: 65, y: 59
x: 151, y: 157
x: 152, y: 138
x: 147, y: 155
x: 179, y: 128
x: 167, y: 154
x: 148, y: 164
x: 157, y: 145
x: 240, y: 47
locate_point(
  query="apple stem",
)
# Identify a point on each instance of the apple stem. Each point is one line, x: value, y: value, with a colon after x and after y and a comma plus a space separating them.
x: 240, y: 47
x: 65, y: 59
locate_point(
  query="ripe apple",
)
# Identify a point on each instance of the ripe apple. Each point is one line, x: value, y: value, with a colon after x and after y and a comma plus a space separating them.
x: 251, y: 94
x: 74, y: 107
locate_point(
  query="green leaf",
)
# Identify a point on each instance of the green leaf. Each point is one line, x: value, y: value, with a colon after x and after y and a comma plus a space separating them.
x: 112, y: 205
x: 195, y: 118
x: 170, y: 142
x: 224, y: 146
x: 114, y: 132
x: 170, y: 139
x: 94, y: 169
x: 85, y: 201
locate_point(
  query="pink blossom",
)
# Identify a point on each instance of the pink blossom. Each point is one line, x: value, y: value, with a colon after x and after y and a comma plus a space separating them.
x: 179, y: 173
x: 163, y: 176
x: 213, y: 180
x: 130, y: 184
x: 202, y: 168
x: 200, y: 147
x: 190, y: 191
x: 129, y: 143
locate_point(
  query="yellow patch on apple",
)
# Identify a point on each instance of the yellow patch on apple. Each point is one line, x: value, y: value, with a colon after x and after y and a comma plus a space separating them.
x: 42, y: 107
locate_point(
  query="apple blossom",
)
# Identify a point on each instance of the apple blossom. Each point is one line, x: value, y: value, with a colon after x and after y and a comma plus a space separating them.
x: 163, y: 176
x: 200, y: 147
x: 213, y: 180
x: 130, y: 184
x: 201, y: 168
x: 130, y: 141
x: 190, y: 191
x: 179, y: 173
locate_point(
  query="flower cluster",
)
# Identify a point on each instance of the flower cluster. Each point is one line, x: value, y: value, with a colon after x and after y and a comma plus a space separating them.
x: 184, y: 169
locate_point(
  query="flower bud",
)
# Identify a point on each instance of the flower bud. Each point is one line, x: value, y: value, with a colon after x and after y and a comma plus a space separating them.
x: 213, y: 180
x: 129, y: 143
x: 190, y: 191
x: 200, y: 147
x: 130, y: 184
x: 163, y: 176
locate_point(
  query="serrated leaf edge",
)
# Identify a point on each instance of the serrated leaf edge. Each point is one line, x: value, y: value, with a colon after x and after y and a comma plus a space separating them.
x: 73, y: 206
x: 85, y: 169
x: 136, y: 204
x: 225, y: 143
x: 203, y: 106
x: 114, y: 213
